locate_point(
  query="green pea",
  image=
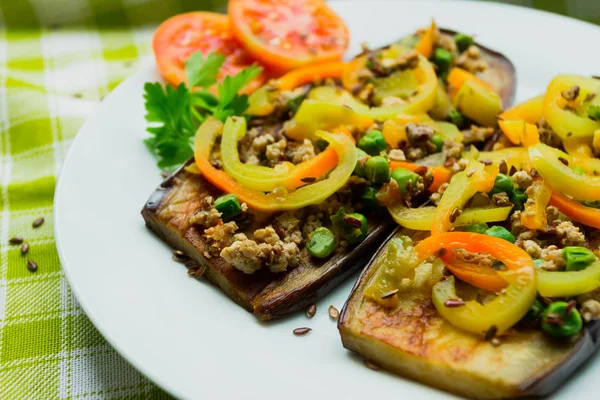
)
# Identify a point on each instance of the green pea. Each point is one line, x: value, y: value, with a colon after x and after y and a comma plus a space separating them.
x: 518, y: 198
x: 443, y: 59
x: 463, y: 41
x: 503, y: 184
x: 559, y: 323
x: 352, y: 227
x: 359, y: 169
x: 534, y: 312
x: 372, y: 143
x: 377, y: 169
x: 476, y: 228
x: 438, y: 141
x: 456, y: 117
x: 404, y: 177
x: 228, y: 205
x: 321, y: 243
x: 537, y: 263
x: 594, y: 112
x: 500, y: 232
x: 578, y: 170
x: 368, y: 196
x: 577, y: 257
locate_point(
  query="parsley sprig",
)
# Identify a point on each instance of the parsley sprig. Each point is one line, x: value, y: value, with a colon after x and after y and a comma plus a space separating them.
x: 174, y: 114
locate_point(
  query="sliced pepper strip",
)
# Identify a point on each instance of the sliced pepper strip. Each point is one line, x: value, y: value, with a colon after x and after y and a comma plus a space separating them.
x: 534, y: 214
x: 309, y: 74
x: 575, y: 210
x: 529, y: 111
x: 565, y: 123
x: 277, y: 200
x: 508, y: 307
x: 482, y: 277
x: 440, y: 174
x: 421, y: 219
x: 562, y: 178
x: 427, y: 42
x: 568, y: 283
x: 581, y: 151
x: 519, y: 122
x: 513, y: 156
x: 475, y: 178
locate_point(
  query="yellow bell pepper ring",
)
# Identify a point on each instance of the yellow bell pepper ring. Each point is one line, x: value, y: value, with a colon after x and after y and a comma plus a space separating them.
x: 475, y: 178
x: 550, y: 164
x: 508, y: 307
x: 566, y: 123
x: 513, y: 156
x: 568, y: 283
x: 256, y: 177
x: 530, y: 111
x: 277, y: 200
x: 478, y: 103
x: 421, y: 219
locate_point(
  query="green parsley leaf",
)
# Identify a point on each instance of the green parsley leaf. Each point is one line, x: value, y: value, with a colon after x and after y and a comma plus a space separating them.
x: 174, y: 114
x: 203, y: 72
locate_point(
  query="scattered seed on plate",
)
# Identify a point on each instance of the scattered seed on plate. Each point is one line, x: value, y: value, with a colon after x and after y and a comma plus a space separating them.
x: 301, y: 331
x: 454, y: 303
x: 389, y: 294
x: 333, y: 312
x: 191, y: 264
x: 164, y: 174
x: 372, y: 365
x: 200, y: 271
x: 192, y: 271
x: 32, y: 265
x: 491, y: 333
x: 179, y: 253
x: 24, y: 248
x: 38, y: 222
x: 179, y: 259
x: 15, y: 240
x: 311, y: 310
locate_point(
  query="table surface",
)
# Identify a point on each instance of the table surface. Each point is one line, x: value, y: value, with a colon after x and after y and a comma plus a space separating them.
x: 58, y: 59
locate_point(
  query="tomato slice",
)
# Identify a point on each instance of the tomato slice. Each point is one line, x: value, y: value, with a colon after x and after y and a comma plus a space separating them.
x: 287, y: 34
x: 178, y: 37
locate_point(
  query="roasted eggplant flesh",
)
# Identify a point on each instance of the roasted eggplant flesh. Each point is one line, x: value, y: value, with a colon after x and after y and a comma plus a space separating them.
x: 414, y: 341
x: 266, y: 294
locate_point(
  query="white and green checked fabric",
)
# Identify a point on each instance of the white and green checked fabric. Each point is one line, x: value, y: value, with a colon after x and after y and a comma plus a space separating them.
x: 58, y: 59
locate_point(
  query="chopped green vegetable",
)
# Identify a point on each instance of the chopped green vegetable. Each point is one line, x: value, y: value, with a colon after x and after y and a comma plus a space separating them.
x: 561, y: 320
x: 500, y: 232
x: 463, y: 41
x: 352, y: 227
x: 359, y: 170
x: 229, y: 206
x: 174, y: 114
x: 372, y: 143
x: 534, y: 312
x: 594, y: 112
x: 321, y: 243
x: 368, y: 196
x: 476, y: 228
x: 443, y: 59
x: 438, y: 141
x: 503, y: 184
x: 377, y: 169
x: 518, y: 198
x: 404, y: 177
x: 456, y: 117
x: 577, y: 257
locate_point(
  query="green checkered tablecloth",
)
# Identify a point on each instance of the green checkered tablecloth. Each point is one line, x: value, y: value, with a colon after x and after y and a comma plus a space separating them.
x: 58, y: 59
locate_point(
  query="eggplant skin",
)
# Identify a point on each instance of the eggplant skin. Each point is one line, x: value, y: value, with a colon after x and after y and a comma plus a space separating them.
x: 415, y: 342
x: 267, y: 295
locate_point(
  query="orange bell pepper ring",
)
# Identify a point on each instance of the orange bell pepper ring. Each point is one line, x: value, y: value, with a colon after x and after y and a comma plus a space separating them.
x: 310, y: 73
x: 427, y: 42
x: 575, y: 210
x: 512, y: 256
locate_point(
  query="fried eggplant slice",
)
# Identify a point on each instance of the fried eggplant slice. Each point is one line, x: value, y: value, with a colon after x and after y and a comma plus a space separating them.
x: 268, y: 295
x: 414, y: 341
x: 500, y: 73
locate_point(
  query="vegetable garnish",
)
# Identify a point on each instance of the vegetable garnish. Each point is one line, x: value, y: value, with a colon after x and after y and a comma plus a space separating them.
x: 508, y: 307
x: 176, y: 113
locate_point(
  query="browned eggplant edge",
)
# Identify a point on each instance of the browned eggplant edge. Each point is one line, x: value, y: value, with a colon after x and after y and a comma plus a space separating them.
x: 508, y: 95
x: 294, y: 300
x: 540, y: 386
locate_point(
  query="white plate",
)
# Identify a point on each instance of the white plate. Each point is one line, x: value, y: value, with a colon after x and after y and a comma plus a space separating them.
x: 187, y: 336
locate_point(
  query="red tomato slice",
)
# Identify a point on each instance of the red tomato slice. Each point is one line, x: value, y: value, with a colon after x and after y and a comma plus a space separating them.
x: 287, y: 34
x: 178, y: 37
